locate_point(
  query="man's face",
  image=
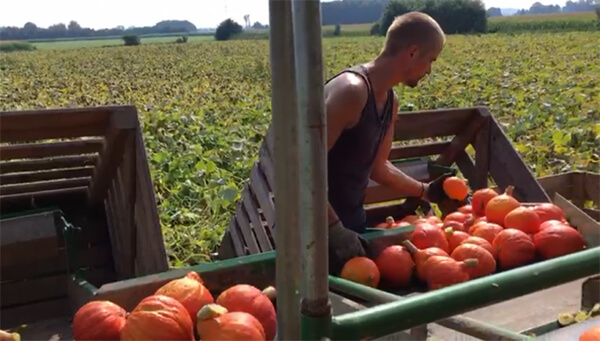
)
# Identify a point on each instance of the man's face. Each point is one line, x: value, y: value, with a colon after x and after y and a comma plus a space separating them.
x: 419, y: 62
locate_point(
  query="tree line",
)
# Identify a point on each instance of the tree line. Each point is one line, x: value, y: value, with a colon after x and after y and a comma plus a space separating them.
x: 31, y: 31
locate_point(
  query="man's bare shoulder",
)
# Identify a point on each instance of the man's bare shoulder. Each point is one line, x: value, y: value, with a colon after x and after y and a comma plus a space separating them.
x: 346, y: 96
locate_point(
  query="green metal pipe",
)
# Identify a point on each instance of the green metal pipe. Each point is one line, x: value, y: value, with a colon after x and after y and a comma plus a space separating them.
x: 315, y: 328
x: 465, y: 325
x: 435, y: 305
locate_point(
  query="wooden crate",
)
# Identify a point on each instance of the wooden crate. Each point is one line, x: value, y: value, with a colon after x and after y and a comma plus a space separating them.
x: 251, y: 228
x: 579, y: 187
x: 84, y: 167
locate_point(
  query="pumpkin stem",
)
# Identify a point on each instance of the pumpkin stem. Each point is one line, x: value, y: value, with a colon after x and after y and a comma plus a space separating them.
x: 412, y: 249
x: 471, y: 262
x: 270, y: 292
x: 195, y: 276
x: 390, y: 220
x: 210, y: 311
x: 509, y: 190
x: 449, y: 231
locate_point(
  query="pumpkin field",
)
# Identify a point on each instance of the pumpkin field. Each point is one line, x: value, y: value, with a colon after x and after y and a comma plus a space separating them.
x: 205, y: 107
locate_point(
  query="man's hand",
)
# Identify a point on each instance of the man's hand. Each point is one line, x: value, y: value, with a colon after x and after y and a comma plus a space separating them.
x: 344, y: 244
x: 434, y: 191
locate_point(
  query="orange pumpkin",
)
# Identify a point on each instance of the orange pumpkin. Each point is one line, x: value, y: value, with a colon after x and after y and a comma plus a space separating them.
x: 454, y: 238
x: 189, y: 291
x: 480, y: 199
x: 487, y: 231
x: 428, y: 235
x: 216, y: 323
x: 158, y: 317
x: 524, y: 219
x: 514, y: 248
x: 548, y: 211
x: 421, y: 256
x: 396, y: 266
x: 99, y: 320
x: 592, y: 334
x: 443, y: 271
x: 498, y: 207
x: 558, y: 240
x: 457, y: 216
x: 455, y: 188
x: 480, y: 242
x: 466, y: 209
x: 486, y: 262
x: 249, y: 299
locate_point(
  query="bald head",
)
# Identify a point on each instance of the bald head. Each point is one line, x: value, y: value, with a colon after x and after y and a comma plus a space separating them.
x: 412, y: 28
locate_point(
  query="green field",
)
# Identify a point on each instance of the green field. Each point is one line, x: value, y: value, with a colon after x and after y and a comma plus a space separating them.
x: 71, y: 44
x: 205, y: 107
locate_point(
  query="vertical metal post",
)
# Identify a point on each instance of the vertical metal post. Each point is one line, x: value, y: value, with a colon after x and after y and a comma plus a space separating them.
x: 315, y: 305
x: 287, y: 167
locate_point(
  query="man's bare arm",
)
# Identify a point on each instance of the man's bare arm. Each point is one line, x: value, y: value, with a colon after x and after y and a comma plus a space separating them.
x: 386, y: 174
x: 344, y: 99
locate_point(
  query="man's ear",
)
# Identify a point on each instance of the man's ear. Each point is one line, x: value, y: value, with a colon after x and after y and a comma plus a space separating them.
x: 413, y: 51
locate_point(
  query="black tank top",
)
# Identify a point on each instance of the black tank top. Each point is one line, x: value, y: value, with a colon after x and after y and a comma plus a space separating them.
x: 350, y: 160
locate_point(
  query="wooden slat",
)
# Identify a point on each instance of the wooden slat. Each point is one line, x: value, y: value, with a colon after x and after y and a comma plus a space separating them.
x: 402, y: 152
x: 252, y: 210
x: 482, y: 153
x: 126, y: 178
x: 53, y: 287
x: 461, y: 140
x: 24, y: 229
x: 122, y: 124
x: 15, y: 178
x: 44, y: 186
x: 20, y: 202
x: 39, y: 150
x: 47, y: 264
x: 13, y: 136
x: 44, y: 164
x: 146, y: 213
x: 589, y: 228
x: 427, y: 124
x: 236, y: 238
x: 259, y: 186
x: 508, y: 168
x: 13, y: 317
x: 244, y: 224
x: 267, y: 167
x: 56, y: 118
x: 467, y: 168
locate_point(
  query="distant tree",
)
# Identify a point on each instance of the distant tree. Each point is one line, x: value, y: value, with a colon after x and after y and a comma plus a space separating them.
x: 131, y: 40
x: 375, y: 29
x: 258, y: 25
x: 454, y: 16
x: 337, y: 30
x: 494, y: 12
x: 226, y: 29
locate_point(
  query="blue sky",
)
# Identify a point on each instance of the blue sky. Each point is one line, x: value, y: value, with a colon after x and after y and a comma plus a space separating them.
x: 112, y: 13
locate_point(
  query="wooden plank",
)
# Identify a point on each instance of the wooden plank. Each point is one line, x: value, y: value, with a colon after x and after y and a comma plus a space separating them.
x: 44, y: 264
x: 467, y: 168
x: 591, y: 186
x: 36, y: 312
x: 252, y: 210
x: 460, y: 142
x: 45, y: 164
x: 12, y: 203
x: 127, y: 181
x: 267, y: 167
x: 260, y: 188
x: 561, y: 183
x: 12, y: 136
x: 121, y: 125
x: 482, y: 153
x: 236, y: 238
x: 244, y: 224
x: 75, y: 118
x: 116, y: 204
x: 434, y: 123
x: 146, y: 213
x: 15, y: 178
x: 27, y: 228
x: 48, y: 288
x: 427, y: 149
x: 44, y: 186
x: 588, y: 227
x: 40, y: 150
x: 508, y: 168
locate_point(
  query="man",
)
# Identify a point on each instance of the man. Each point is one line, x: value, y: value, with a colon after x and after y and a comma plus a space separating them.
x: 361, y: 109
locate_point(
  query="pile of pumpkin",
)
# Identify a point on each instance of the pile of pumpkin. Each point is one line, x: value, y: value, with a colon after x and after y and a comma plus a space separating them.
x: 183, y: 309
x: 495, y: 232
